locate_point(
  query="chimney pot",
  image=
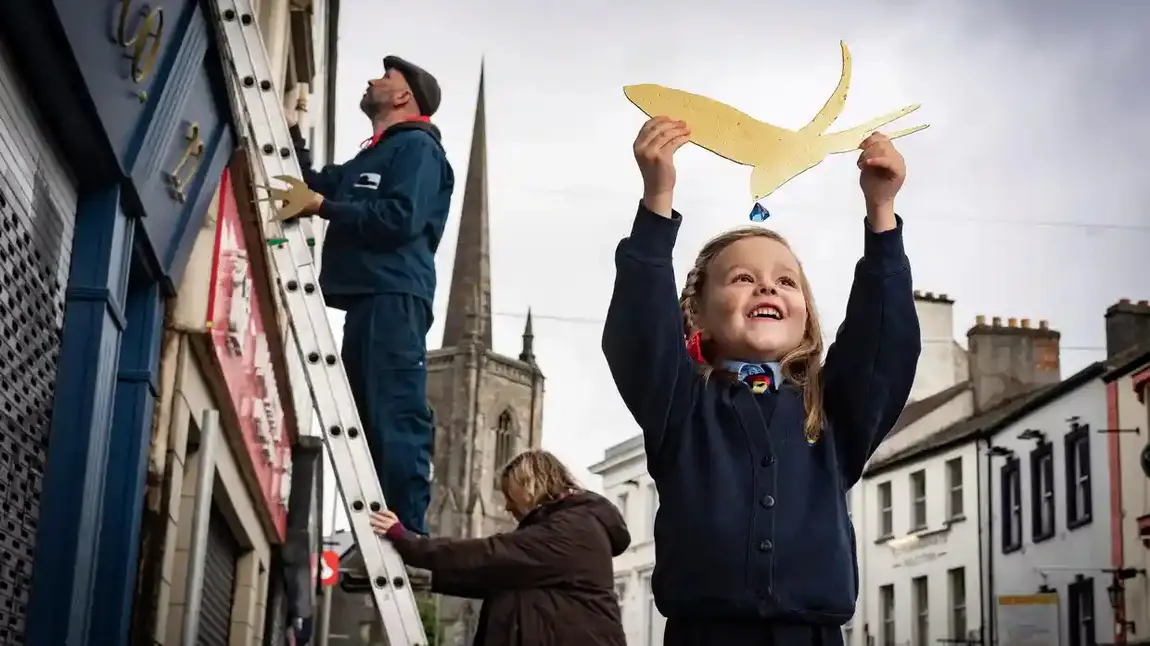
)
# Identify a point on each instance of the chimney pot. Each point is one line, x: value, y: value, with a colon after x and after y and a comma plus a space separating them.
x: 1025, y: 323
x: 978, y: 320
x: 1143, y: 303
x: 1010, y: 322
x: 929, y: 296
x: 996, y: 321
x: 1042, y: 325
x: 1124, y: 301
x: 917, y: 293
x: 943, y: 297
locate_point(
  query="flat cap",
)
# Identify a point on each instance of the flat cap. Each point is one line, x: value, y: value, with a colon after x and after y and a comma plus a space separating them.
x: 423, y: 85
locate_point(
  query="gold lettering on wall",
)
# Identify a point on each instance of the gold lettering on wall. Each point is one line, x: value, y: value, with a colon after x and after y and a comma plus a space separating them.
x: 142, y: 45
x: 185, y: 171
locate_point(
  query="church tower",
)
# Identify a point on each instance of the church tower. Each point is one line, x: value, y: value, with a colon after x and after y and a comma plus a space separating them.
x: 488, y: 406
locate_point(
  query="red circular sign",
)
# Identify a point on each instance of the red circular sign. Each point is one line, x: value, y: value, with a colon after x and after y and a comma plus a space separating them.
x: 329, y: 568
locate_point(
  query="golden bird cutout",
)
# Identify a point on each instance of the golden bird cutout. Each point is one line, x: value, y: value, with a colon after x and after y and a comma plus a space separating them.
x: 777, y: 155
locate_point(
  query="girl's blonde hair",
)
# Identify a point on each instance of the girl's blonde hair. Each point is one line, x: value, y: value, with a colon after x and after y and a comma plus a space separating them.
x: 539, y: 475
x: 801, y: 366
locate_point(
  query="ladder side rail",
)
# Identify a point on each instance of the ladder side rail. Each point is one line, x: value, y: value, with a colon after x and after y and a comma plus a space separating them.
x: 331, y: 393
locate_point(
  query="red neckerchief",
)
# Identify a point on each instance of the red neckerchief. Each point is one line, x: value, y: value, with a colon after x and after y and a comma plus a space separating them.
x: 374, y: 139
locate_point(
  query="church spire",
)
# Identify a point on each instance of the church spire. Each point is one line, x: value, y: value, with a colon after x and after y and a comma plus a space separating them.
x: 471, y: 274
x: 528, y: 353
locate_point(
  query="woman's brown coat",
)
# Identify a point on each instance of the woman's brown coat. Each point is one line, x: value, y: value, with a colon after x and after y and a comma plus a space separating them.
x: 547, y: 583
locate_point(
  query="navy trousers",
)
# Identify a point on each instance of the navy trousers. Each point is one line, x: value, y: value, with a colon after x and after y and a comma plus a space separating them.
x: 747, y: 632
x: 385, y: 354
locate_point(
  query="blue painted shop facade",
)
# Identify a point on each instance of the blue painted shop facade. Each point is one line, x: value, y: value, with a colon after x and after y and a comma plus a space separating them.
x: 130, y: 104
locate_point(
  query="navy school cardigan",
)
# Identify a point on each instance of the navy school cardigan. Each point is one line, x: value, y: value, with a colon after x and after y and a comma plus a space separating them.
x: 752, y: 521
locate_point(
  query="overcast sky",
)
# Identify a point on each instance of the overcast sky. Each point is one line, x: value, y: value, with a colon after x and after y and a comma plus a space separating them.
x: 1026, y: 197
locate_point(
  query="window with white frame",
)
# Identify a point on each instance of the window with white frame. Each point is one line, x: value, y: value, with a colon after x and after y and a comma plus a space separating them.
x: 921, y: 597
x: 954, y: 502
x: 918, y: 500
x: 1079, y: 499
x: 652, y: 509
x: 956, y: 590
x: 1042, y: 492
x: 886, y: 615
x: 885, y: 511
x: 621, y: 504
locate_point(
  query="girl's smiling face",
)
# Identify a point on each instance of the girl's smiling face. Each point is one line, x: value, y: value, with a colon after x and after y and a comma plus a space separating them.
x: 753, y: 307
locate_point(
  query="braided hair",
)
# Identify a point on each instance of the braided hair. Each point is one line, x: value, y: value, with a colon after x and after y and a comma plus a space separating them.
x: 801, y: 366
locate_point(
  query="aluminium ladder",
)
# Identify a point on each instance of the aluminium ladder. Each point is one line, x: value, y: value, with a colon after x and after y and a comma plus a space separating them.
x: 259, y: 108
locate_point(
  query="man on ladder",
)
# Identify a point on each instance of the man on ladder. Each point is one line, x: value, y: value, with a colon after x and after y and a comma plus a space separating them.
x: 386, y: 209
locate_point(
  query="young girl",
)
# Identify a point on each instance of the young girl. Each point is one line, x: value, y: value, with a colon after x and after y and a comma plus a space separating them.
x: 752, y: 442
x: 549, y: 582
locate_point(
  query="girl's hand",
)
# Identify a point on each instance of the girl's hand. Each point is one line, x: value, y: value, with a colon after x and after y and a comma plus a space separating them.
x: 382, y: 521
x: 883, y: 170
x: 654, y: 149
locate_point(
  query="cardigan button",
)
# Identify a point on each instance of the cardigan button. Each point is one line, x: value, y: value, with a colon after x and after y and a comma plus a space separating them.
x: 768, y: 460
x: 768, y: 501
x: 765, y: 546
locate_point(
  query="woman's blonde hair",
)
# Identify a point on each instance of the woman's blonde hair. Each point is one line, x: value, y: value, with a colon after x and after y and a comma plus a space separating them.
x: 539, y: 475
x: 801, y: 366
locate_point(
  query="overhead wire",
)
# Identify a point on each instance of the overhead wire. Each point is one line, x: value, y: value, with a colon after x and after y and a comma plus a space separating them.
x: 580, y: 320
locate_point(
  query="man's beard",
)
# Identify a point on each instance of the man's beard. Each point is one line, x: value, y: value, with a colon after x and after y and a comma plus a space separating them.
x: 370, y: 107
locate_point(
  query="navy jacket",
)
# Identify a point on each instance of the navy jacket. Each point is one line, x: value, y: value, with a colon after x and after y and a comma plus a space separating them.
x: 386, y: 209
x: 753, y: 519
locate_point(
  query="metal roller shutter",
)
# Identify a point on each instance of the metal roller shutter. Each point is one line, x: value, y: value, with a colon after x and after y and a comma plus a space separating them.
x: 219, y: 582
x: 37, y: 209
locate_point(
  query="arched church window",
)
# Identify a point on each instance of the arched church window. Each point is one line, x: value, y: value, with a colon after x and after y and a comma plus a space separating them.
x: 504, y: 440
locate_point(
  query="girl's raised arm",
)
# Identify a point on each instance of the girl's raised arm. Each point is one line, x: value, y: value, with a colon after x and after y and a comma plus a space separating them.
x: 643, y: 335
x: 870, y: 367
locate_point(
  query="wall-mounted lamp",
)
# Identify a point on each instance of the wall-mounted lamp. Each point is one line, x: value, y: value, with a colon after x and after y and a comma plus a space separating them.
x: 1001, y: 452
x: 1116, y: 591
x: 1033, y: 434
x: 1117, y: 603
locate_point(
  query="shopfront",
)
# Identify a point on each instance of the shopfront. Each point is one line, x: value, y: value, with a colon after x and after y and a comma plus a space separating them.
x: 114, y: 131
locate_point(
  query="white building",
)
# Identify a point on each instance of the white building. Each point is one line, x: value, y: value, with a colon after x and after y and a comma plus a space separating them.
x: 627, y: 483
x: 1040, y: 530
x: 1049, y: 503
x: 918, y: 531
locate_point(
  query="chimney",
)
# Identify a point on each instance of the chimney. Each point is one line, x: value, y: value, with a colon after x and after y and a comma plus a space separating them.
x: 1008, y: 360
x: 939, y: 366
x: 1127, y: 325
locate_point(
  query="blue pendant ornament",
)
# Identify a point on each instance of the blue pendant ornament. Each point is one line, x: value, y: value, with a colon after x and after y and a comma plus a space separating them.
x: 759, y: 213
